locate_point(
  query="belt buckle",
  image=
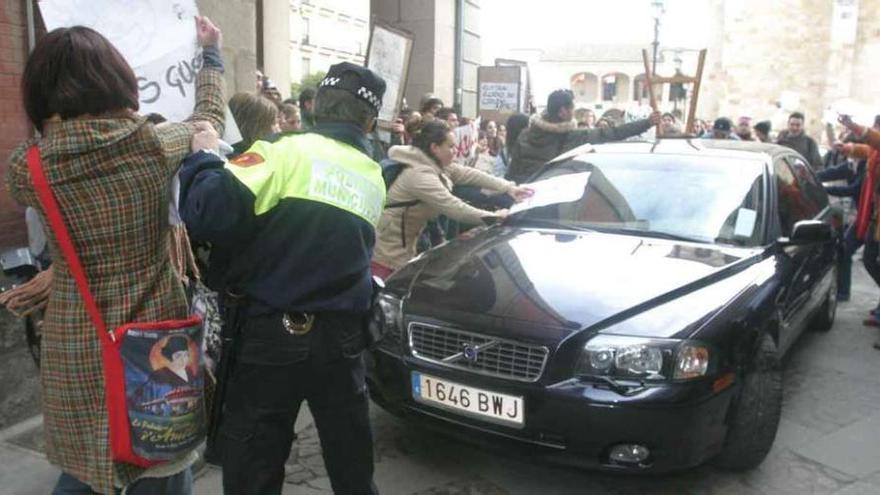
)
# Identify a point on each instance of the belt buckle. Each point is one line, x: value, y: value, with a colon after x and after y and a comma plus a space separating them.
x: 294, y: 327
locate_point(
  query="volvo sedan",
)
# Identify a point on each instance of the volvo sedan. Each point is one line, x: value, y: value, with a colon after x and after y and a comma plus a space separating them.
x: 637, y: 325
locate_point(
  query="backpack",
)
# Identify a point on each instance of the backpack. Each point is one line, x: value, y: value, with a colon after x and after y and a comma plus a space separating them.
x: 391, y: 169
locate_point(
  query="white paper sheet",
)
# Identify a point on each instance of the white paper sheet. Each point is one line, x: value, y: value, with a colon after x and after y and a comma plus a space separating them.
x: 562, y: 189
x: 142, y: 30
x: 156, y: 37
x: 745, y: 222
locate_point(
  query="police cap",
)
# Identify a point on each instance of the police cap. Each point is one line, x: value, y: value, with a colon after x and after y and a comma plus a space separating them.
x: 367, y: 86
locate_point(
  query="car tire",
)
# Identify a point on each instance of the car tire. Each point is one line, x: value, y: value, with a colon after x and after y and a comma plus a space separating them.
x: 823, y: 320
x: 754, y: 415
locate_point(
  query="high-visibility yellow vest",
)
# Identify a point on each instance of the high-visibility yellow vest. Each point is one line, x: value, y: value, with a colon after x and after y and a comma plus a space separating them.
x: 315, y: 168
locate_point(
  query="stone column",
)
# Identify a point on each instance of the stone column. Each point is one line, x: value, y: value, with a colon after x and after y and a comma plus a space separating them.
x: 276, y: 43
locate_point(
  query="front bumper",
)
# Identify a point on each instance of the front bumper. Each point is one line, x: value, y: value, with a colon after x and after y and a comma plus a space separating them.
x: 571, y: 422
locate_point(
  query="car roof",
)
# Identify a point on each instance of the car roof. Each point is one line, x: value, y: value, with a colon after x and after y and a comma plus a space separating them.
x: 721, y: 148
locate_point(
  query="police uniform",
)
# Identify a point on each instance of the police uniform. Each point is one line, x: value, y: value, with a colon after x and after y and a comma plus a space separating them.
x: 292, y: 228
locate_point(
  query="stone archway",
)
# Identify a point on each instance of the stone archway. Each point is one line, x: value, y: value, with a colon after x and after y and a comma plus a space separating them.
x: 615, y: 87
x: 585, y: 87
x: 640, y: 88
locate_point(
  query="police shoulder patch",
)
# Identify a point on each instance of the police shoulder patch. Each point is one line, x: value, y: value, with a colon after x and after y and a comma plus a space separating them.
x: 248, y: 159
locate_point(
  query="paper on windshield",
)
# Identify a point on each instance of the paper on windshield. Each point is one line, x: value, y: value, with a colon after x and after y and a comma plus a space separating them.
x: 562, y: 189
x: 745, y: 222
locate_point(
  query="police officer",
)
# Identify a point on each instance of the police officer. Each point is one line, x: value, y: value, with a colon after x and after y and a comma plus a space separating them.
x: 294, y: 222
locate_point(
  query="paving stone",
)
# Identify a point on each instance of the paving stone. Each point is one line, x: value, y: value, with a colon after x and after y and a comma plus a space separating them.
x: 321, y: 484
x: 25, y: 473
x: 854, y: 450
x: 786, y: 473
x: 469, y: 486
x: 791, y: 434
x: 859, y: 489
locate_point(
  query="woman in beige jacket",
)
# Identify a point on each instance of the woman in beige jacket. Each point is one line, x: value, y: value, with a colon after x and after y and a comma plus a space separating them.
x: 423, y: 190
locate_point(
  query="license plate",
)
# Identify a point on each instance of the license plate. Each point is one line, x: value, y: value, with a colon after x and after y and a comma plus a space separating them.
x: 485, y: 404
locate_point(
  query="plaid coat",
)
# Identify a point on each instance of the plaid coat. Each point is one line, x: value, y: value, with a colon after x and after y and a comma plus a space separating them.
x: 111, y: 179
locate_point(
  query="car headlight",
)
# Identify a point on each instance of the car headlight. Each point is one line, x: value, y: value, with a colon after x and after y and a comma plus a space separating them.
x: 392, y: 319
x: 623, y: 357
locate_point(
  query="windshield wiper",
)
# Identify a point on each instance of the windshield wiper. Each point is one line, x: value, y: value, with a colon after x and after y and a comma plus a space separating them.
x: 549, y: 224
x: 650, y: 233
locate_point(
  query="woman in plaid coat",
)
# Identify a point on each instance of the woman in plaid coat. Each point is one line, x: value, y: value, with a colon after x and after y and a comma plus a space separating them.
x: 110, y: 171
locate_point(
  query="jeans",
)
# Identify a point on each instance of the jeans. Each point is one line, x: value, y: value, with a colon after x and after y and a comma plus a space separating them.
x: 844, y: 261
x: 178, y: 484
x: 275, y: 371
x: 872, y: 251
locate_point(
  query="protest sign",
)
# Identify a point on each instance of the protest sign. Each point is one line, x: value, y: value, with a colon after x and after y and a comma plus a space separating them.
x: 465, y: 142
x: 389, y: 55
x: 156, y: 37
x: 561, y: 189
x: 500, y: 97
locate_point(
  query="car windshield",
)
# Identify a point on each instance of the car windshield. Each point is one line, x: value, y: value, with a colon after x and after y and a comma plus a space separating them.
x: 702, y: 199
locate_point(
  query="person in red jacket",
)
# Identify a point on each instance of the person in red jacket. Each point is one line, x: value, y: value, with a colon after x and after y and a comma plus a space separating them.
x: 867, y: 227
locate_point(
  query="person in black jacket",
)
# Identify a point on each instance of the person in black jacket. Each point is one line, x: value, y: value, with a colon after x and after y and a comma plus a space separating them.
x: 555, y: 132
x: 850, y: 244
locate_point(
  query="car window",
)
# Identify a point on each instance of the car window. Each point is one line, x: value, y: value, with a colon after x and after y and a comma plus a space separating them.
x: 704, y: 199
x: 794, y: 204
x: 812, y: 192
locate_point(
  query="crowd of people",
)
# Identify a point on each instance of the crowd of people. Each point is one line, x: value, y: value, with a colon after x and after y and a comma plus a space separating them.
x: 298, y: 216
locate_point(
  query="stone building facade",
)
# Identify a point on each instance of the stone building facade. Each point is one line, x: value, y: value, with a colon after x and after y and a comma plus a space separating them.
x: 601, y: 76
x: 432, y: 69
x: 767, y: 59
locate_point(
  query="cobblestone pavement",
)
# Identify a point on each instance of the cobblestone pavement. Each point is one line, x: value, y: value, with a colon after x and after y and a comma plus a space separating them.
x: 828, y: 442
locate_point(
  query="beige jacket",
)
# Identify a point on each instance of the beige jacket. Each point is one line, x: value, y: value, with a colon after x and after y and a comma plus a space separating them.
x: 424, y: 181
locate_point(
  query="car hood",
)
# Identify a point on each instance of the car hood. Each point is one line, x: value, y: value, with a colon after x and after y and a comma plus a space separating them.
x: 507, y: 278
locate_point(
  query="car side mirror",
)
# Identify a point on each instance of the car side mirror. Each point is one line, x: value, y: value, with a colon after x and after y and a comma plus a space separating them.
x: 808, y: 232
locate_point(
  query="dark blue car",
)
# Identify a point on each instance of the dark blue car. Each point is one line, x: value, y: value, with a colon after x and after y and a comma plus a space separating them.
x: 635, y: 326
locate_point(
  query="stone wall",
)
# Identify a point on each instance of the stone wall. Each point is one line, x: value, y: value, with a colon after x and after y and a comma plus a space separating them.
x: 866, y: 69
x: 765, y: 49
x: 432, y: 69
x: 762, y: 49
x: 14, y: 126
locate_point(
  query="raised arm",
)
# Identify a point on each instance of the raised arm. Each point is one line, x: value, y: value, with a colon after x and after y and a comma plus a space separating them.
x: 210, y: 106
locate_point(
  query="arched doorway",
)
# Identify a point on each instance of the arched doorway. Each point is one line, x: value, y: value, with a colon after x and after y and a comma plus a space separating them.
x: 615, y: 87
x: 585, y: 87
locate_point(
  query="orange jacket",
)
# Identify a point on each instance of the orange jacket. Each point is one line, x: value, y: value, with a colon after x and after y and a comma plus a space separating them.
x: 868, y: 199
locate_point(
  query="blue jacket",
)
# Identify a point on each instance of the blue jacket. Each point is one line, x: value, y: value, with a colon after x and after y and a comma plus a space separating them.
x: 843, y: 171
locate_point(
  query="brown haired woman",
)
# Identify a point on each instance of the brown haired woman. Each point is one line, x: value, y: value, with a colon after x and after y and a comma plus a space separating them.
x: 423, y: 190
x: 109, y: 170
x: 256, y: 117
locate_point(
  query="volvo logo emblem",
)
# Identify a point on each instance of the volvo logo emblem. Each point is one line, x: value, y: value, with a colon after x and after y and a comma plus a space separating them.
x: 470, y: 353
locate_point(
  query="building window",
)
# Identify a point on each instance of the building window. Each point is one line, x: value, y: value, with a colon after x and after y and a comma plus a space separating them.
x: 609, y: 88
x: 305, y: 36
x: 306, y: 66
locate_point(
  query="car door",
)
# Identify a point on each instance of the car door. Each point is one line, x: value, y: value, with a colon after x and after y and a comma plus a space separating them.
x: 793, y: 205
x: 819, y: 266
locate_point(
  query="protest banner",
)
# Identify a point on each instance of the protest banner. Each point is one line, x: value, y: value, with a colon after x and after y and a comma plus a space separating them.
x: 156, y: 37
x: 465, y: 142
x: 501, y: 91
x: 388, y: 55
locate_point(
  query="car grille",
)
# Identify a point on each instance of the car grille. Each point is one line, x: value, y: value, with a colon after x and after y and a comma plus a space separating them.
x: 487, y: 355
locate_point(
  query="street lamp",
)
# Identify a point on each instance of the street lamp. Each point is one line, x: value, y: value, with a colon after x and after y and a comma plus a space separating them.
x: 658, y: 10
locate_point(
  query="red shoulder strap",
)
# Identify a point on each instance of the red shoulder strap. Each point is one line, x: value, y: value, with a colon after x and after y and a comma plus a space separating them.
x: 56, y: 222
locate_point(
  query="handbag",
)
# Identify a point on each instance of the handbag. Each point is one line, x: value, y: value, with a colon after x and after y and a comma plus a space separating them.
x: 153, y: 371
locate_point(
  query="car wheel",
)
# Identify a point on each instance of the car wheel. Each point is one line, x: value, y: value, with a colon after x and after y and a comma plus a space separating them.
x: 754, y: 415
x: 824, y: 318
